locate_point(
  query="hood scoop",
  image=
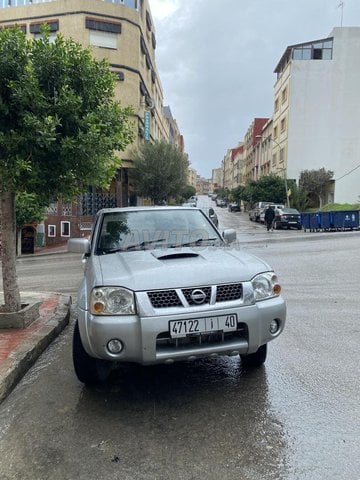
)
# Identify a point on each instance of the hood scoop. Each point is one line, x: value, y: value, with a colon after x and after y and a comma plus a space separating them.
x: 173, y: 255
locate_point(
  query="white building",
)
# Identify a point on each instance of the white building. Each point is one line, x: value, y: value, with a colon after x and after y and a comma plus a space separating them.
x: 317, y: 111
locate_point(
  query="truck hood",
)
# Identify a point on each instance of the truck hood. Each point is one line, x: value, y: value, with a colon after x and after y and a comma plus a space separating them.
x: 174, y: 268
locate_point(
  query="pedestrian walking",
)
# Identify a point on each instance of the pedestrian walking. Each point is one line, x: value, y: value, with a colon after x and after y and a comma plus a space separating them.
x: 269, y: 217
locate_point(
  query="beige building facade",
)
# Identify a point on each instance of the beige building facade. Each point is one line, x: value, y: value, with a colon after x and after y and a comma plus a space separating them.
x: 122, y: 32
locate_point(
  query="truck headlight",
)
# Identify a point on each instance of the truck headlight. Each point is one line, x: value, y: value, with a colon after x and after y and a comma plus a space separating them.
x: 266, y: 285
x: 112, y: 301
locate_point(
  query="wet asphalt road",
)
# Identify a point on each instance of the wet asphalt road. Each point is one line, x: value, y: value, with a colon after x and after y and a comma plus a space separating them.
x: 297, y: 418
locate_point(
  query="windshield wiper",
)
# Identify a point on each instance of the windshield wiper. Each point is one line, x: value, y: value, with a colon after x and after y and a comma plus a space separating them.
x: 199, y: 241
x: 141, y: 245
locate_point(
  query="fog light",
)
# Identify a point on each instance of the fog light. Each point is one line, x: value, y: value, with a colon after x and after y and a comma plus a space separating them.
x: 274, y: 326
x: 115, y: 346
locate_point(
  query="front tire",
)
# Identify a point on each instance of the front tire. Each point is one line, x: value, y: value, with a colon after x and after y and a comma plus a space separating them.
x: 255, y: 359
x: 88, y: 370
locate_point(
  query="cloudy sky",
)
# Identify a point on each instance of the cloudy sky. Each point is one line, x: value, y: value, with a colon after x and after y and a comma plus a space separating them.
x: 216, y: 60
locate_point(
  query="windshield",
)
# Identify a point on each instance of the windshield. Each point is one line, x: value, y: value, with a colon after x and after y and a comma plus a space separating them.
x: 143, y: 229
x: 290, y: 210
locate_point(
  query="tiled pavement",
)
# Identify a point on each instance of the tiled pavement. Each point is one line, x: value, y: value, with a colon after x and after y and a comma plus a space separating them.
x: 19, y: 348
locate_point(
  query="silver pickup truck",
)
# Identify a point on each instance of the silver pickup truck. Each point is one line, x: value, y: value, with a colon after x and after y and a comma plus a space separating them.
x: 162, y: 284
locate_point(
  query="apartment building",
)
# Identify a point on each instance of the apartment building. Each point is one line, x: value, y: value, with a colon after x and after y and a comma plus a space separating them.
x: 316, y: 118
x: 217, y: 178
x: 121, y: 31
x: 265, y: 148
x: 192, y: 177
x: 316, y: 121
x: 251, y: 151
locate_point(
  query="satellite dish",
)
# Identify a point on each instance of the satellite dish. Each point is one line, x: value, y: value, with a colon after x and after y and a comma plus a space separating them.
x: 149, y: 102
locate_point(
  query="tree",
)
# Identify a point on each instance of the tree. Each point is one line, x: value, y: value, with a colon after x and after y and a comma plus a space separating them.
x: 187, y: 192
x: 59, y: 130
x: 269, y: 188
x: 237, y: 194
x: 299, y: 197
x: 316, y: 182
x: 29, y: 209
x: 160, y: 171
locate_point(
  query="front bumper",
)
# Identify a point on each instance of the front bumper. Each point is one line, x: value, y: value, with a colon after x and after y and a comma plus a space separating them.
x: 147, y: 341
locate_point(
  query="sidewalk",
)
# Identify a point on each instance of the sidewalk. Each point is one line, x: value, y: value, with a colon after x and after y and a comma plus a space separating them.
x: 48, y: 249
x: 20, y: 348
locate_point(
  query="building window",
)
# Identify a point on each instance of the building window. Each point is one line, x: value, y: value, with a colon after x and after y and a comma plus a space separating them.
x: 283, y: 125
x: 22, y: 26
x: 51, y: 230
x: 52, y: 24
x: 103, y: 39
x: 275, y: 132
x: 129, y: 3
x: 66, y: 209
x: 52, y: 209
x: 276, y: 106
x: 86, y: 226
x: 120, y: 76
x: 284, y: 95
x: 282, y: 155
x: 52, y: 36
x: 148, y: 21
x: 65, y: 229
x: 102, y: 33
x: 320, y: 50
x: 143, y: 46
x: 153, y: 40
x: 102, y: 26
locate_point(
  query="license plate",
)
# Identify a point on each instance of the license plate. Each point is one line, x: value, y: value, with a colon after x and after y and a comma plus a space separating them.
x: 182, y: 328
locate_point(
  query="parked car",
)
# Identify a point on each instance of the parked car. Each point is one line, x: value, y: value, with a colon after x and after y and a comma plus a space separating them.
x: 220, y: 202
x: 234, y: 207
x: 252, y: 215
x: 213, y: 217
x: 262, y: 212
x: 161, y: 285
x: 257, y: 209
x: 287, y: 218
x: 193, y: 200
x: 188, y: 204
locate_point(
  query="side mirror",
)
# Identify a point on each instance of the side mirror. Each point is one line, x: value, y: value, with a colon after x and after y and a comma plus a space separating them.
x: 79, y: 245
x: 211, y: 212
x: 229, y: 235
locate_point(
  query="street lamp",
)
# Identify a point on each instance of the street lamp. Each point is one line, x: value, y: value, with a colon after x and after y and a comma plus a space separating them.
x: 283, y: 169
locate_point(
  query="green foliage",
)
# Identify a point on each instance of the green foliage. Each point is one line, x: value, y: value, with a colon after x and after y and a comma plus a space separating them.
x: 222, y: 193
x: 337, y: 206
x: 160, y: 171
x: 299, y: 197
x: 187, y: 192
x: 237, y: 194
x: 270, y: 188
x: 315, y: 183
x: 29, y: 209
x: 59, y: 125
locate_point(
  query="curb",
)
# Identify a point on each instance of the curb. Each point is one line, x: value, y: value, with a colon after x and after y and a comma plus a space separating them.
x: 310, y: 236
x: 22, y: 358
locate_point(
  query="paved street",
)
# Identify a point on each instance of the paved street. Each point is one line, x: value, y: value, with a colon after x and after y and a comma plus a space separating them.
x: 296, y: 419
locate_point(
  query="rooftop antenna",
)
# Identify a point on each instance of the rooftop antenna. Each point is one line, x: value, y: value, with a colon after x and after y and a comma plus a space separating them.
x: 341, y: 5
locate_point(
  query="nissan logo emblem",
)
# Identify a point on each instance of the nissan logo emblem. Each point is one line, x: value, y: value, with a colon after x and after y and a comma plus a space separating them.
x: 198, y: 296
